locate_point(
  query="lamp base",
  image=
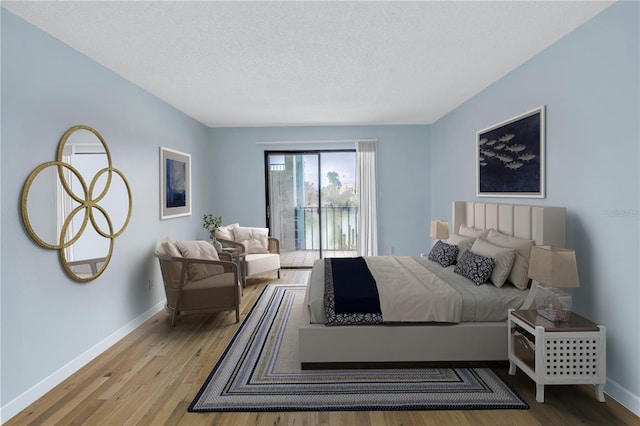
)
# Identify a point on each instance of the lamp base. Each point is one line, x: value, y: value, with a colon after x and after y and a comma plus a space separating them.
x: 553, y: 303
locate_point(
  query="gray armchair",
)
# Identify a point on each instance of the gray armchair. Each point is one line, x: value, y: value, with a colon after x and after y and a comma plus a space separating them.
x: 199, y: 285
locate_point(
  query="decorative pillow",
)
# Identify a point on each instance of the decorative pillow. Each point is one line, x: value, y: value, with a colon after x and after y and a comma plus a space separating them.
x: 520, y: 269
x: 199, y: 250
x: 503, y: 256
x: 467, y: 231
x: 443, y: 253
x: 463, y: 243
x: 257, y: 239
x: 477, y: 268
x: 226, y: 232
x: 168, y: 247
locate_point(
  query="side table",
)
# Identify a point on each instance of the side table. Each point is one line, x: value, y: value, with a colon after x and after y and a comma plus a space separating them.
x: 559, y: 353
x: 238, y: 257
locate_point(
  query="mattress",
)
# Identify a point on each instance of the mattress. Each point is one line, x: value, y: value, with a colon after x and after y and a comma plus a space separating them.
x: 484, y: 302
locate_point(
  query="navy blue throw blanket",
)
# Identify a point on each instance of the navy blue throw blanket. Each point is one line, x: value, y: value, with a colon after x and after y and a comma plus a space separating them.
x: 351, y: 294
x: 354, y: 288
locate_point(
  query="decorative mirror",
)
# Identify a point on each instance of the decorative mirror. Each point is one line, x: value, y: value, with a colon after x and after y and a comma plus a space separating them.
x: 65, y: 203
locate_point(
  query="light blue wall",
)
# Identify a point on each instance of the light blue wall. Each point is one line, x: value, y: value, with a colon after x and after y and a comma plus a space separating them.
x: 589, y: 82
x: 48, y: 320
x: 402, y: 157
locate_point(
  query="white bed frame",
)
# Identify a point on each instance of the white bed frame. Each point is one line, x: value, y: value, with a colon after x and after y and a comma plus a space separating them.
x: 476, y: 341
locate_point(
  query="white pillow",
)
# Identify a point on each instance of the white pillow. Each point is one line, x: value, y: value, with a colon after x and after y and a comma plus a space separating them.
x: 199, y: 250
x: 168, y: 247
x: 226, y: 232
x: 520, y: 269
x: 467, y: 231
x: 463, y: 243
x: 503, y: 256
x: 256, y: 240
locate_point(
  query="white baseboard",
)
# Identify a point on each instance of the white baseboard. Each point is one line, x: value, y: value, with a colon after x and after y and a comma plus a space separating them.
x: 623, y: 396
x: 22, y: 401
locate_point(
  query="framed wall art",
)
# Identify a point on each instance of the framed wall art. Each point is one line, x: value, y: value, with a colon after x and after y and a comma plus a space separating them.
x: 175, y: 183
x: 510, y: 157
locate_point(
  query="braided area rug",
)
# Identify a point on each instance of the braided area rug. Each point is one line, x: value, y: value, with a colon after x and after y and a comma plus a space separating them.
x: 260, y: 371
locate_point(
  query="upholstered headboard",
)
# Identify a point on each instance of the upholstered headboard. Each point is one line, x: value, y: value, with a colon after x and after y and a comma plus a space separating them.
x: 545, y: 225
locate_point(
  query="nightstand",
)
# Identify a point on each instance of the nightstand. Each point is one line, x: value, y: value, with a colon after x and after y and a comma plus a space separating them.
x: 572, y: 352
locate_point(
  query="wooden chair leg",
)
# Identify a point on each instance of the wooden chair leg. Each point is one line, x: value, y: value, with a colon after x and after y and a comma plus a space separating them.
x: 173, y: 317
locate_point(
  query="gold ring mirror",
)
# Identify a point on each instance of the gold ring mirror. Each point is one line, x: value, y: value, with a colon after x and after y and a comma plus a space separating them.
x: 75, y: 204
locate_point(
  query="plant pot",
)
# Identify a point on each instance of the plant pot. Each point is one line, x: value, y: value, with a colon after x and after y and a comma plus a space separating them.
x: 216, y: 244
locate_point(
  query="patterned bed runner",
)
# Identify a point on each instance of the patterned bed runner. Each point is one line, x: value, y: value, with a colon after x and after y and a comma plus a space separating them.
x: 351, y: 294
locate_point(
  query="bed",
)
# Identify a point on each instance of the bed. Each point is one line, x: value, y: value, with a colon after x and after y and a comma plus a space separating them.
x: 471, y: 338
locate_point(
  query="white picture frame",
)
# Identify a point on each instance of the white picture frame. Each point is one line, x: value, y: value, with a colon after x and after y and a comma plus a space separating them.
x: 175, y: 183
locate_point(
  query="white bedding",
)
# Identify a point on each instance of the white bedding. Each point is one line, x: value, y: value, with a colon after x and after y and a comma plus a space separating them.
x: 478, y: 303
x: 402, y: 283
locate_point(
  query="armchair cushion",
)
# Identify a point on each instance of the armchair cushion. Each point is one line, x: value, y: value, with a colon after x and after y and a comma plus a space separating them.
x: 211, y: 291
x: 199, y: 250
x: 256, y: 240
x: 259, y: 263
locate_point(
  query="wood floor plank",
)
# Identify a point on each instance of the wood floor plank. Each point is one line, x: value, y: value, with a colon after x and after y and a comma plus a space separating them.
x: 151, y: 376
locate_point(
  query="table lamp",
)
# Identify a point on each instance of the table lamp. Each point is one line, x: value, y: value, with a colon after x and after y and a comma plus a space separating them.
x: 439, y: 229
x: 556, y: 270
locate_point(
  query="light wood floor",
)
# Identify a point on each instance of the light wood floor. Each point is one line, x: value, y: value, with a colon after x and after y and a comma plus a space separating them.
x: 152, y: 375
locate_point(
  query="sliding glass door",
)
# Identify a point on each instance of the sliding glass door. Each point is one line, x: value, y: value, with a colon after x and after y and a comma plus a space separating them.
x: 312, y: 207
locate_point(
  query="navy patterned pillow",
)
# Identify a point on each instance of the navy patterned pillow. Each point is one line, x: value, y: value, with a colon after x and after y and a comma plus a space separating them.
x: 443, y: 253
x: 477, y: 268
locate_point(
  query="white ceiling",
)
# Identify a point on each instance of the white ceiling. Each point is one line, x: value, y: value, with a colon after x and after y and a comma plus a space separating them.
x: 268, y: 63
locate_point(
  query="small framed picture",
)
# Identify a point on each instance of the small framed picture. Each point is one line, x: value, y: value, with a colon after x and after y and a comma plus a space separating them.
x: 510, y: 157
x: 175, y: 183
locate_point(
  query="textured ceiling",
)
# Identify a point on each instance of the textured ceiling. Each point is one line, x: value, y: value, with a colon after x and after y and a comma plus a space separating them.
x: 310, y: 63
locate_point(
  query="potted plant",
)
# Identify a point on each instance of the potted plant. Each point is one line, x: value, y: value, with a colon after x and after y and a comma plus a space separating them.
x: 211, y: 223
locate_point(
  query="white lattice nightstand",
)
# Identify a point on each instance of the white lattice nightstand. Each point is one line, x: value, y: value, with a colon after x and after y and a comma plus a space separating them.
x: 572, y: 352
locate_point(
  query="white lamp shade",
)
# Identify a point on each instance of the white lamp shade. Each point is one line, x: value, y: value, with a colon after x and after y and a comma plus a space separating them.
x: 554, y: 267
x: 439, y: 229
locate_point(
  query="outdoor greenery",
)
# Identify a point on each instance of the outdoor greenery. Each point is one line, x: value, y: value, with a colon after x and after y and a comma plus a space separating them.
x: 333, y: 194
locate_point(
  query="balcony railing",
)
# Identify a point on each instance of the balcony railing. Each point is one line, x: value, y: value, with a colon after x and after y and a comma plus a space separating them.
x: 336, y: 227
